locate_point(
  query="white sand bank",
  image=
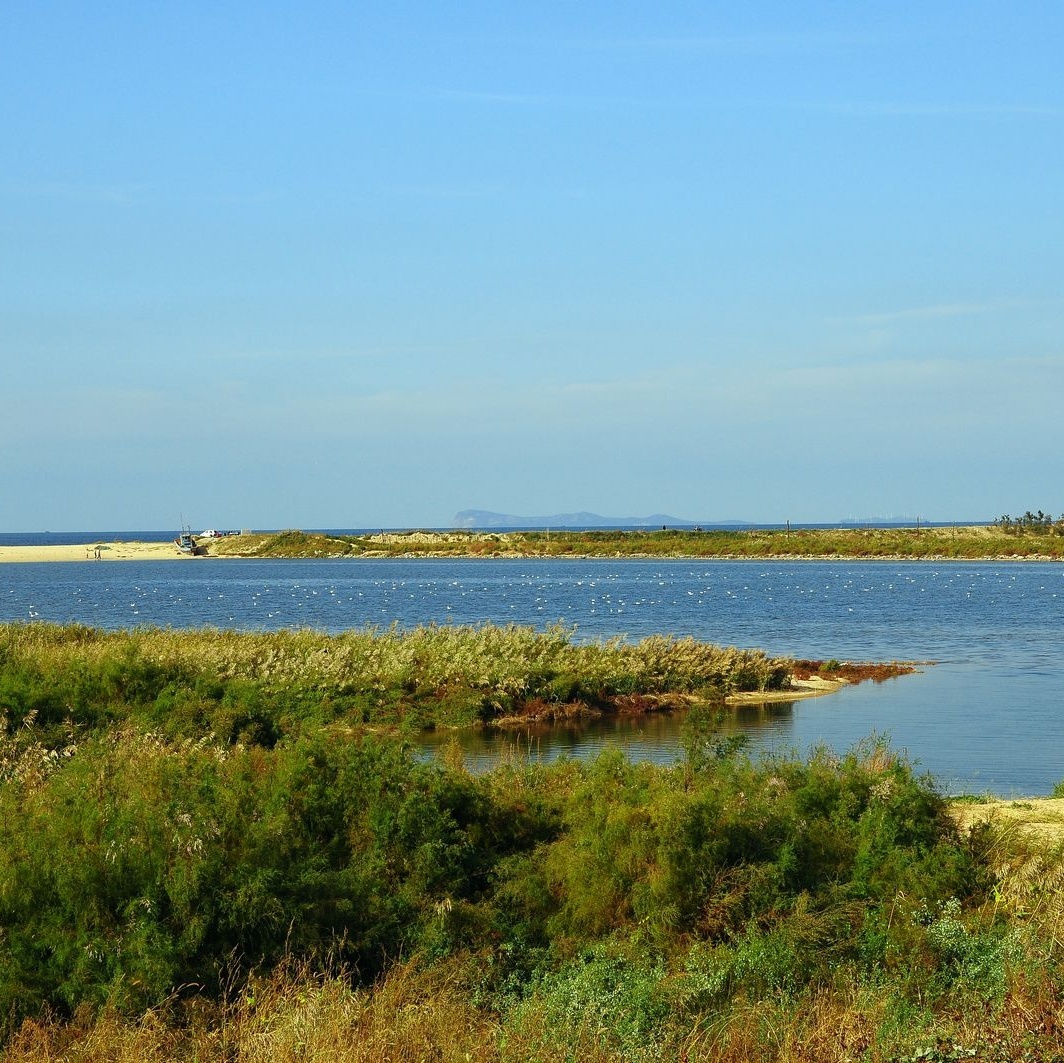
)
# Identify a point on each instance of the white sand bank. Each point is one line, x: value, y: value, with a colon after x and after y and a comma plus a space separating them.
x: 102, y: 551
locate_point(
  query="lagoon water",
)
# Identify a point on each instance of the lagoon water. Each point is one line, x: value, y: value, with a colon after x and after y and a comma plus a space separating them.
x: 987, y: 715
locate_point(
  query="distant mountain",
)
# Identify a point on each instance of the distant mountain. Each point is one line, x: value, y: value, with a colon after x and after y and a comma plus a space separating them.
x: 882, y: 522
x: 482, y: 518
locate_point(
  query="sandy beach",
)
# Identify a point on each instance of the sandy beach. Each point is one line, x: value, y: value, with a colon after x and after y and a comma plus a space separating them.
x: 101, y: 551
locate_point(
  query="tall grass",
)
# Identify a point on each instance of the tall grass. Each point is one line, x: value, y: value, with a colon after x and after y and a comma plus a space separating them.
x: 510, y: 656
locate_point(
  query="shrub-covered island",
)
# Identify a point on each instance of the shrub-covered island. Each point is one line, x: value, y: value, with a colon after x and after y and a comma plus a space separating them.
x: 222, y: 846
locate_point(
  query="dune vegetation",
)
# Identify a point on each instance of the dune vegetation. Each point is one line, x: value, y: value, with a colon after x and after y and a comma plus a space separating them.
x: 1006, y: 539
x: 213, y: 849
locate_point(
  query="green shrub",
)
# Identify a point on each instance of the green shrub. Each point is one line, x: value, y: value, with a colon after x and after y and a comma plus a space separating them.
x: 179, y: 811
x: 136, y: 865
x: 975, y: 961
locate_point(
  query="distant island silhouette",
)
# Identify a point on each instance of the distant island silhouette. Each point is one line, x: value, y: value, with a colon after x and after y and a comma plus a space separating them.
x: 479, y: 519
x: 483, y: 518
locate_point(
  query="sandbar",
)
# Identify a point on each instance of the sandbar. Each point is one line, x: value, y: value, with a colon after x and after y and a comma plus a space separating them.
x: 811, y: 687
x: 98, y: 551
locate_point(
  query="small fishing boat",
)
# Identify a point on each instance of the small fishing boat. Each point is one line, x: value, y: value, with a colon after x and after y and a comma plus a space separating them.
x: 186, y: 544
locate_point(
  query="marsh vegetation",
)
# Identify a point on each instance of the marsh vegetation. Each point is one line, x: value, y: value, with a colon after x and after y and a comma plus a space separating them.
x: 267, y: 686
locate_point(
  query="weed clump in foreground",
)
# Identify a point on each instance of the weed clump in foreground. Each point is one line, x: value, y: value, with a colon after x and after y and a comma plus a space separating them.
x: 719, y: 908
x: 212, y: 848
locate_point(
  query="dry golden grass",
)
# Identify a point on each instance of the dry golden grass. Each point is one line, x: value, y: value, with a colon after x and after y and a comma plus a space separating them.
x: 290, y: 1017
x: 419, y: 1015
x: 1025, y: 843
x: 827, y: 1029
x: 1041, y: 817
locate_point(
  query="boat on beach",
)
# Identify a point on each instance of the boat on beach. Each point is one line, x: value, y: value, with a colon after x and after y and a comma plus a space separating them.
x: 186, y: 544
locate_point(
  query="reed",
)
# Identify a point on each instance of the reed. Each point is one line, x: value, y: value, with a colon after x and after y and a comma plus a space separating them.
x: 277, y: 682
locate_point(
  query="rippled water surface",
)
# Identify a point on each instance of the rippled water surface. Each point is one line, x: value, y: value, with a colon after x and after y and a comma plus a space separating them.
x: 988, y: 715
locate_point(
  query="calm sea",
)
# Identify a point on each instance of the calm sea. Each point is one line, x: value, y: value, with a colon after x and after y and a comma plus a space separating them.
x: 988, y: 715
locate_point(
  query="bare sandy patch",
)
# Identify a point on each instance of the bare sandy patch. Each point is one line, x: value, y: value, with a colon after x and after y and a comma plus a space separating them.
x: 101, y: 551
x: 813, y: 687
x: 1040, y: 817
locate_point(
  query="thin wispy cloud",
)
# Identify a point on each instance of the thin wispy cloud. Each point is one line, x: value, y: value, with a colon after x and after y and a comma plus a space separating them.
x: 493, y: 96
x: 918, y: 109
x: 930, y: 110
x: 932, y: 312
x: 116, y: 194
x: 445, y: 192
x: 502, y: 98
x: 730, y: 44
x: 134, y: 194
x: 283, y: 356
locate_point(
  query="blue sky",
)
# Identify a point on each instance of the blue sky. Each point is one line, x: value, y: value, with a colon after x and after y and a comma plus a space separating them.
x: 351, y: 265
